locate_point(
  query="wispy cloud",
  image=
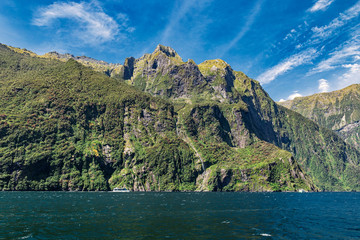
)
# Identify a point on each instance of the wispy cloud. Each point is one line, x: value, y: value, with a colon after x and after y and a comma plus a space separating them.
x: 250, y: 20
x: 320, y: 5
x: 346, y: 53
x: 89, y: 22
x: 179, y: 12
x: 341, y: 20
x: 295, y: 38
x: 319, y: 35
x: 323, y: 85
x: 337, y: 59
x: 291, y: 62
x: 351, y: 76
x: 290, y: 34
x: 312, y: 47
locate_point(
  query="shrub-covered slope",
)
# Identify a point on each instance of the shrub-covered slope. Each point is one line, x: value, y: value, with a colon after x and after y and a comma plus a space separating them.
x: 338, y: 110
x: 65, y: 127
x: 332, y: 163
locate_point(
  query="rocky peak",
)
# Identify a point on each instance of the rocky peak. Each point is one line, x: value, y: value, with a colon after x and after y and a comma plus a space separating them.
x: 214, y: 64
x: 170, y: 52
x: 220, y: 75
x: 56, y: 55
x: 190, y: 61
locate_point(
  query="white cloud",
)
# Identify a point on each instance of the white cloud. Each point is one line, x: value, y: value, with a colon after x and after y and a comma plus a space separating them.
x: 341, y: 20
x: 319, y: 35
x: 352, y: 66
x: 320, y: 5
x: 289, y: 35
x: 294, y: 95
x: 312, y: 43
x: 288, y: 64
x: 296, y: 36
x: 349, y: 51
x: 352, y: 75
x: 91, y: 24
x: 323, y: 85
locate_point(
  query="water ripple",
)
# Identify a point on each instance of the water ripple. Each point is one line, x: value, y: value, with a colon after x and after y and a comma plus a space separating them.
x: 82, y: 215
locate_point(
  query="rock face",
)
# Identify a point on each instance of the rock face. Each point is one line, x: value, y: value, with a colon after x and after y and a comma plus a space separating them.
x: 164, y: 73
x: 165, y: 125
x: 129, y: 68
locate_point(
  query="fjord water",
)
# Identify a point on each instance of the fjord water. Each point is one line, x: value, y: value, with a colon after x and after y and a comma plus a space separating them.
x: 107, y: 215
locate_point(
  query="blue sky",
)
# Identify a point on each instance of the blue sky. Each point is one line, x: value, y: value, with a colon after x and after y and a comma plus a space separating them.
x: 292, y: 47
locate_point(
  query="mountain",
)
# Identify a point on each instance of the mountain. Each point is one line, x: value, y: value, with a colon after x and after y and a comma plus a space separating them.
x: 249, y: 114
x: 337, y: 110
x: 160, y: 124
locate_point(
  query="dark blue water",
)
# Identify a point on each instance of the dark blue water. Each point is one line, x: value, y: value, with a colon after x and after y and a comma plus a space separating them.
x: 103, y: 215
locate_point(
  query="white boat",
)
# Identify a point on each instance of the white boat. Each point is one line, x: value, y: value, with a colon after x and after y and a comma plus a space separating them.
x: 120, y: 190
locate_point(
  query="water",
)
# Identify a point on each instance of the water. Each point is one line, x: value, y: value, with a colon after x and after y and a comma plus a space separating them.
x: 106, y: 215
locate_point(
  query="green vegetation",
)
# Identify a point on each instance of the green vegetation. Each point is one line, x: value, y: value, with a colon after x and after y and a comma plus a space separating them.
x: 180, y: 127
x: 113, y: 70
x: 57, y: 119
x: 338, y: 110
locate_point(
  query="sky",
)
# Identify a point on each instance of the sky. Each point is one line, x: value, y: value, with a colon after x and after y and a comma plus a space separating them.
x: 292, y: 47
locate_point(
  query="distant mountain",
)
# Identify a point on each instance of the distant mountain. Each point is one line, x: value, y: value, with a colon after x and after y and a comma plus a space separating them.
x: 338, y: 110
x: 160, y: 124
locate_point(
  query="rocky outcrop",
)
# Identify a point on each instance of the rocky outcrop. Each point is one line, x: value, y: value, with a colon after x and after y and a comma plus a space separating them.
x: 279, y: 175
x: 129, y: 68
